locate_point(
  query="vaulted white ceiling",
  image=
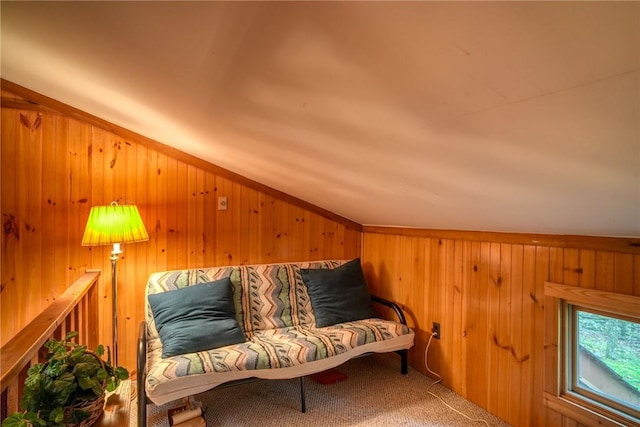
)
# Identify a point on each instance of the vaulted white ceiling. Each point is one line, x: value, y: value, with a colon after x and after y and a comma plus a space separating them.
x: 495, y: 116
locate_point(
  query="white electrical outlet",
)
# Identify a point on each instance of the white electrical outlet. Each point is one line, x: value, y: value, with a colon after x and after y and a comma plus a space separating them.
x: 222, y: 203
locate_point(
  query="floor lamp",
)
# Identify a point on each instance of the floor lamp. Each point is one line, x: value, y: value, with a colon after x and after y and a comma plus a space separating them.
x: 112, y: 225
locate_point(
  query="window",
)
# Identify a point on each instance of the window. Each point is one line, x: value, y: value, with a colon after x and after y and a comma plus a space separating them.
x: 604, y: 362
x: 598, y: 355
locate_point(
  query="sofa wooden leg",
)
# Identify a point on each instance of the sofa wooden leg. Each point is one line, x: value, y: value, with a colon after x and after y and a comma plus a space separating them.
x: 404, y: 362
x: 303, y: 403
x: 142, y: 408
x: 142, y: 405
x: 141, y: 365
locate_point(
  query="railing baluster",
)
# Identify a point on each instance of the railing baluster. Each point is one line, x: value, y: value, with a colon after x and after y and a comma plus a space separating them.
x: 93, y: 320
x: 72, y: 319
x: 3, y: 405
x: 82, y: 325
x: 13, y: 396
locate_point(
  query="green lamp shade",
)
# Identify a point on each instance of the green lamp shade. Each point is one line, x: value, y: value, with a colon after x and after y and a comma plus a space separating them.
x: 114, y: 224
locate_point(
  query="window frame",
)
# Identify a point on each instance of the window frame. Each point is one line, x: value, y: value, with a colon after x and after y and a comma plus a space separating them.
x: 559, y: 394
x: 570, y: 385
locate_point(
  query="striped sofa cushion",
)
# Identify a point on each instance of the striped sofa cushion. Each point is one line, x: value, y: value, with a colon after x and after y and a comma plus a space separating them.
x: 274, y: 349
x: 274, y: 296
x: 266, y: 296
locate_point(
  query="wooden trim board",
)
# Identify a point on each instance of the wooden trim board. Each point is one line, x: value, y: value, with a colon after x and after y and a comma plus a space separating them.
x: 616, y: 244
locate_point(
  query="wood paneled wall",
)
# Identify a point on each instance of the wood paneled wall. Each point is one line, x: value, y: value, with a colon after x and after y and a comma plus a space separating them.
x: 487, y: 292
x: 485, y: 289
x: 54, y: 168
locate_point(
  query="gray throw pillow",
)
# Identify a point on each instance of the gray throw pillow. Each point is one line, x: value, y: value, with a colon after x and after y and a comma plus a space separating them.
x: 195, y: 318
x: 338, y: 295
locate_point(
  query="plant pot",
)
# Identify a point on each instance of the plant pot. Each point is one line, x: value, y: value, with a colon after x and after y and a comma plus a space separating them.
x: 93, y: 407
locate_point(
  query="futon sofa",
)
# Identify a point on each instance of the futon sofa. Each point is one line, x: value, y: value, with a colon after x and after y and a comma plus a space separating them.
x: 208, y: 327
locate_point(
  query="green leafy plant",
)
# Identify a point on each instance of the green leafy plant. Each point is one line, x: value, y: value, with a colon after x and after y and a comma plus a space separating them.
x: 71, y: 375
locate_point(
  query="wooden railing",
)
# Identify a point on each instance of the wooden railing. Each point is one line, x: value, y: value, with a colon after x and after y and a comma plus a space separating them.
x: 75, y: 310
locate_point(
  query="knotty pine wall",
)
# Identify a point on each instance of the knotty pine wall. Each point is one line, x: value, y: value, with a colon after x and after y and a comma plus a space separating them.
x: 487, y: 292
x: 54, y: 168
x: 486, y: 289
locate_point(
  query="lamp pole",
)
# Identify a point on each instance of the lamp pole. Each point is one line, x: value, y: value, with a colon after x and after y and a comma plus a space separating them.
x: 114, y: 298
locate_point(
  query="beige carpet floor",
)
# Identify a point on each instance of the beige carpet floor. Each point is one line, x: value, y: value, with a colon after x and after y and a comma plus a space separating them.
x: 373, y: 394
